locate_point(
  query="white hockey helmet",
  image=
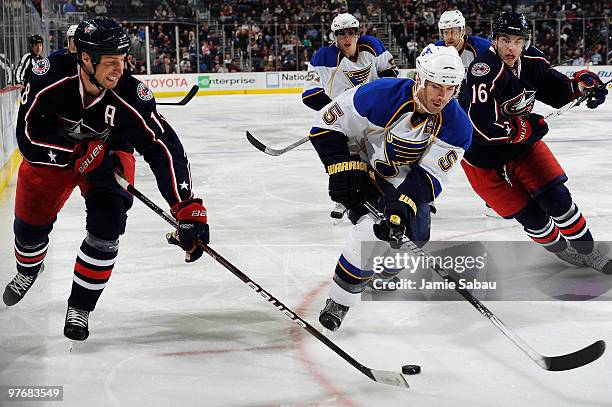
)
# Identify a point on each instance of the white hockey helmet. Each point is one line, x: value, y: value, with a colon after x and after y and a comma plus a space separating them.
x: 344, y: 21
x: 451, y: 19
x: 71, y: 30
x: 441, y: 65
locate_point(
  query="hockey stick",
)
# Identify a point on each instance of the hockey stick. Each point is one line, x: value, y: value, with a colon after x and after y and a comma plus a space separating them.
x: 271, y: 151
x: 192, y: 92
x: 575, y: 102
x: 380, y: 376
x: 554, y: 363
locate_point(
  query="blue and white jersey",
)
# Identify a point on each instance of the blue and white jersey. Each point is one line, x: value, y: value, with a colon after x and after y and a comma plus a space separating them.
x: 382, y: 127
x: 330, y: 73
x: 472, y: 47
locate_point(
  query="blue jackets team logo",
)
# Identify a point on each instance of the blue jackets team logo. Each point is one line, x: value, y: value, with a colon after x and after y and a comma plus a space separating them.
x: 519, y: 105
x: 480, y: 69
x: 41, y: 67
x: 359, y: 76
x: 143, y: 92
x: 399, y: 152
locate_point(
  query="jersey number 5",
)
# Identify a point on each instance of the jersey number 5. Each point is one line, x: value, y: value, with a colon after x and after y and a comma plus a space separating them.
x: 480, y: 93
x: 448, y: 160
x: 332, y: 114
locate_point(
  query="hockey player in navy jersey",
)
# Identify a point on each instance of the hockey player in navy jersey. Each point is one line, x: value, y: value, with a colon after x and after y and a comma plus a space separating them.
x: 508, y: 164
x: 452, y: 33
x: 350, y: 61
x: 396, y: 141
x: 78, y: 122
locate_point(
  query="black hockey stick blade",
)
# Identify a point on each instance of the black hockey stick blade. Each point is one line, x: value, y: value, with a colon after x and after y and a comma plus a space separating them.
x: 380, y: 376
x: 272, y: 151
x: 576, y: 359
x: 257, y: 144
x: 192, y: 92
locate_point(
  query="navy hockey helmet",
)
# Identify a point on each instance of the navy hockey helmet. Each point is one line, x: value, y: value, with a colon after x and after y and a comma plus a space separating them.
x: 35, y: 39
x: 100, y: 36
x: 512, y: 23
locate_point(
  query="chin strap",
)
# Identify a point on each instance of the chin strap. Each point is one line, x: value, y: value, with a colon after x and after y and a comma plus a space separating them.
x: 92, y: 76
x: 417, y: 101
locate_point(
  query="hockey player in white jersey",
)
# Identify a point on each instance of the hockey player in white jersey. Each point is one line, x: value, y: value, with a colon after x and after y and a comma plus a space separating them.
x: 395, y: 142
x: 351, y: 60
x: 452, y: 34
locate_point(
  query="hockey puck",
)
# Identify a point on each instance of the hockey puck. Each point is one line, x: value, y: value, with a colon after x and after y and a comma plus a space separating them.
x: 411, y: 369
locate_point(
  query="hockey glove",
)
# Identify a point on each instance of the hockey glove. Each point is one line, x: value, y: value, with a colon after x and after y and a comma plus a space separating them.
x: 349, y: 182
x: 523, y: 127
x: 87, y: 156
x: 589, y: 82
x: 399, y: 211
x: 193, y: 231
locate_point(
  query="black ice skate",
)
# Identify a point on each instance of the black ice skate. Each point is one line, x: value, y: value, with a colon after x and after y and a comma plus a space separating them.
x: 598, y: 261
x: 18, y: 287
x: 76, y: 327
x: 332, y: 315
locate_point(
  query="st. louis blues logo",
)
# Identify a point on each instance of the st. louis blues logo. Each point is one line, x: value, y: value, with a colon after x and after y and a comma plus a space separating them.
x: 399, y: 152
x: 41, y: 67
x: 519, y: 105
x: 143, y: 92
x: 359, y: 76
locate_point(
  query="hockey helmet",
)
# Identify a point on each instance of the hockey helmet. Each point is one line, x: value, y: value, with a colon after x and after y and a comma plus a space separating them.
x: 100, y: 36
x: 451, y: 19
x: 35, y: 39
x: 512, y: 23
x: 441, y: 65
x: 344, y: 21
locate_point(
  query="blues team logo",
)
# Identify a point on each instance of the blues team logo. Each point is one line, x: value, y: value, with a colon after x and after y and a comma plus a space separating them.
x: 359, y: 76
x: 519, y: 105
x: 143, y: 92
x: 398, y: 152
x: 41, y: 67
x: 480, y: 69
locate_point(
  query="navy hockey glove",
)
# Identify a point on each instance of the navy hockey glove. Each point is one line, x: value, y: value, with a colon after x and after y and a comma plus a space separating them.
x: 523, y: 127
x: 589, y: 82
x: 399, y: 210
x: 193, y: 231
x: 349, y: 182
x: 87, y: 156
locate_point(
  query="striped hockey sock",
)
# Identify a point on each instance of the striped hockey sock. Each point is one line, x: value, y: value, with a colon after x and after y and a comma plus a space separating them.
x: 549, y: 237
x: 573, y: 226
x: 30, y: 258
x: 92, y: 270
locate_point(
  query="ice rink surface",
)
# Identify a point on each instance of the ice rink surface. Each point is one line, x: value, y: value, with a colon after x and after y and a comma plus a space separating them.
x: 167, y: 333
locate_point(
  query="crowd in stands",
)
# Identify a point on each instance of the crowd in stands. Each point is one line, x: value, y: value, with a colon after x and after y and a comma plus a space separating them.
x: 269, y: 35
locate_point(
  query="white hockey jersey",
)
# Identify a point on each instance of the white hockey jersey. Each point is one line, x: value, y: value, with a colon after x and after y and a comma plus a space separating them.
x: 415, y: 153
x: 330, y: 73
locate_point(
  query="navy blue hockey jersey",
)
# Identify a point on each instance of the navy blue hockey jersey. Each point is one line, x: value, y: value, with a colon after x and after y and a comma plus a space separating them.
x: 56, y: 114
x: 498, y: 93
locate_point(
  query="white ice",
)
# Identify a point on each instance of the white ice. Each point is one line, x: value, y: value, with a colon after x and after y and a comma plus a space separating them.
x: 167, y: 333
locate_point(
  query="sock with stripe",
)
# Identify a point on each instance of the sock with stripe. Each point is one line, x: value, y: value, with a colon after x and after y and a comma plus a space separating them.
x: 92, y: 270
